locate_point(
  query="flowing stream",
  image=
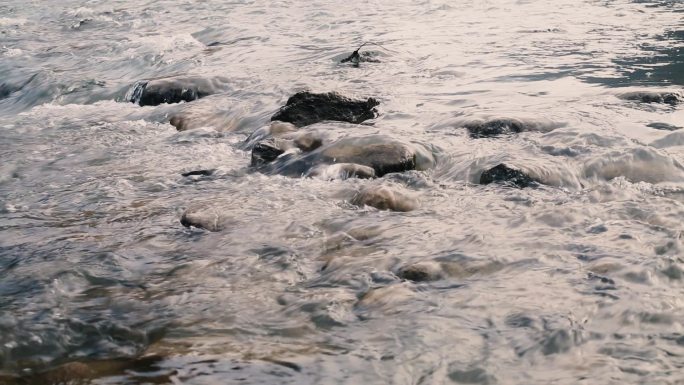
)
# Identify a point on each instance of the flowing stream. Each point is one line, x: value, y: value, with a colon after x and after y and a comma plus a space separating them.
x: 579, y: 280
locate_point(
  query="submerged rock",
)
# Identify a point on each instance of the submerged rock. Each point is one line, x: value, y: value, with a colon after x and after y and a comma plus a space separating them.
x: 363, y: 156
x: 266, y: 151
x: 494, y: 127
x: 663, y: 126
x: 421, y: 272
x: 174, y: 90
x: 667, y: 97
x: 342, y: 171
x: 385, y: 198
x: 203, y: 218
x: 506, y: 175
x: 207, y: 172
x: 306, y: 108
x: 382, y: 153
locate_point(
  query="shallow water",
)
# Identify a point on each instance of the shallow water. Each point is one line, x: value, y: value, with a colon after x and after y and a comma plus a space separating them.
x: 579, y: 281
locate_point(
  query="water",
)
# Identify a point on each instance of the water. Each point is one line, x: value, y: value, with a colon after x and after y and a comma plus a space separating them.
x: 579, y: 281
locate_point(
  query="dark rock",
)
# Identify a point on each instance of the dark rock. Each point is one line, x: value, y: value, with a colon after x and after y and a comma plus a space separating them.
x: 357, y: 58
x: 305, y: 108
x: 174, y: 90
x: 663, y: 126
x: 495, y: 127
x: 266, y: 151
x: 421, y: 272
x: 198, y: 173
x: 506, y: 175
x: 385, y: 198
x: 667, y: 97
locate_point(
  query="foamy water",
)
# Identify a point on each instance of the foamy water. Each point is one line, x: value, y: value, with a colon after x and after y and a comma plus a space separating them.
x: 577, y: 281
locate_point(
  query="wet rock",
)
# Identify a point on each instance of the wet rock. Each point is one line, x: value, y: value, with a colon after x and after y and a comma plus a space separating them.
x: 267, y: 150
x: 382, y: 153
x: 364, y: 156
x: 385, y: 198
x: 494, y: 127
x: 666, y: 97
x: 305, y: 108
x: 663, y: 126
x: 174, y: 90
x: 342, y: 171
x: 308, y: 141
x: 356, y: 57
x: 506, y: 175
x: 203, y: 218
x: 421, y: 272
x: 198, y: 173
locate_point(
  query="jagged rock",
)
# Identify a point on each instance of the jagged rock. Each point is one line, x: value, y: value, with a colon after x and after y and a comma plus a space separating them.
x: 385, y: 198
x: 504, y: 174
x: 305, y: 108
x: 667, y: 97
x: 174, y: 90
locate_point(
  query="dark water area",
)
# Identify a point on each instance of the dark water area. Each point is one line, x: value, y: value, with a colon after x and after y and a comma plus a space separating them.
x: 503, y: 204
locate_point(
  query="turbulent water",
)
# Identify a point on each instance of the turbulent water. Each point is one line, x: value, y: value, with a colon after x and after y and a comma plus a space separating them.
x: 577, y: 281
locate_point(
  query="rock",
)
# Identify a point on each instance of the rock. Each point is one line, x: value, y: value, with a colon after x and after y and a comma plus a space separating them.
x: 663, y: 126
x: 506, y: 175
x: 280, y: 128
x: 382, y: 153
x: 421, y: 272
x: 494, y: 127
x: 342, y: 171
x: 362, y: 156
x: 198, y: 173
x: 385, y: 198
x: 667, y: 97
x: 266, y: 151
x: 308, y: 141
x: 203, y: 218
x: 174, y: 90
x: 306, y: 108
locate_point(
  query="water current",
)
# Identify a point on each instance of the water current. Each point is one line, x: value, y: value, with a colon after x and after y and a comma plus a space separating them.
x: 578, y: 280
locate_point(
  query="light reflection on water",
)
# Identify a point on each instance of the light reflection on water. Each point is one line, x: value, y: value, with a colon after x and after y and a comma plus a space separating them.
x: 578, y: 281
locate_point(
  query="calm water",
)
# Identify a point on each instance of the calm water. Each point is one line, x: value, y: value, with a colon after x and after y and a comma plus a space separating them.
x: 580, y: 281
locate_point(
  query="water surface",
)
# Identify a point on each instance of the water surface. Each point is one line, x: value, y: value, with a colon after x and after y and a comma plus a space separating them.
x: 579, y: 281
